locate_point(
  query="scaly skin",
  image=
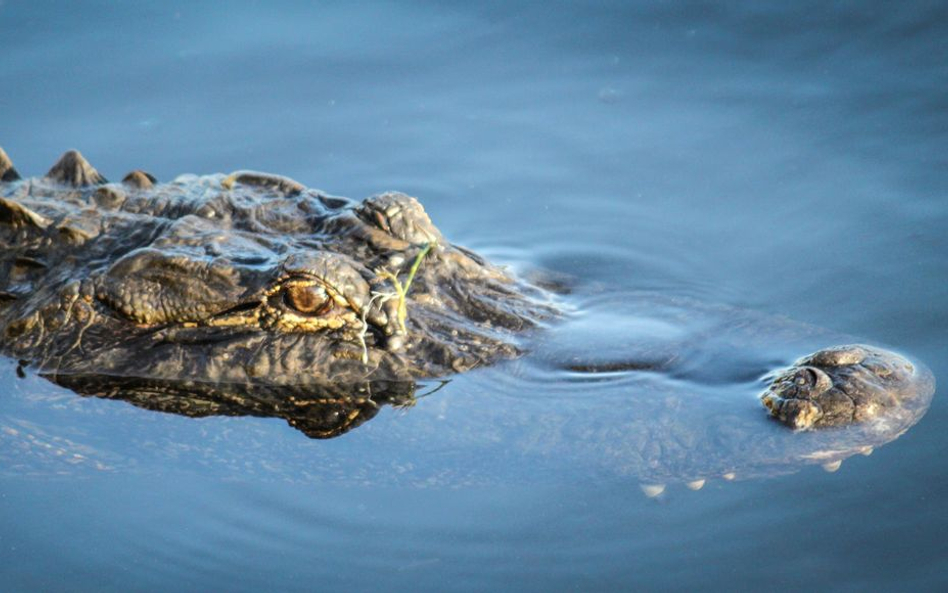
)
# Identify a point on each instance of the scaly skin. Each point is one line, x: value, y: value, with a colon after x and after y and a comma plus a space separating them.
x: 843, y: 385
x: 249, y: 278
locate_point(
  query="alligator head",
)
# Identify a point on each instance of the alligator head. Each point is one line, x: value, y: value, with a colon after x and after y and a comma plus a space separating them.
x: 243, y: 279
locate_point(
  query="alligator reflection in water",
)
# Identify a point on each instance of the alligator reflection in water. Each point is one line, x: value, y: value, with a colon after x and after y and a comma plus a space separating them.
x: 319, y: 412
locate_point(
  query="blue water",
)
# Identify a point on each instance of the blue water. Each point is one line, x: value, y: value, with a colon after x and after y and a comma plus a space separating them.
x: 788, y: 160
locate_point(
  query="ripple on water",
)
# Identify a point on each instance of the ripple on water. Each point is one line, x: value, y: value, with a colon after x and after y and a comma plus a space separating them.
x: 631, y: 337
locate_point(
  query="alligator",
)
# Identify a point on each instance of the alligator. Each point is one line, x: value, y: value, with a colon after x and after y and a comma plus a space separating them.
x: 251, y: 294
x: 247, y: 277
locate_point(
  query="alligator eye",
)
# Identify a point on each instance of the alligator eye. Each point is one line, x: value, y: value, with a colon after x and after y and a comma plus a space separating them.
x: 307, y: 298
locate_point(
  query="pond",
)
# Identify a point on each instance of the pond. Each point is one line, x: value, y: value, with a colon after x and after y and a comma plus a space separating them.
x: 697, y: 175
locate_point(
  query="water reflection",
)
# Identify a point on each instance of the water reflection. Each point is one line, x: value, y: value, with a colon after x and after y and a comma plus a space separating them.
x: 318, y: 411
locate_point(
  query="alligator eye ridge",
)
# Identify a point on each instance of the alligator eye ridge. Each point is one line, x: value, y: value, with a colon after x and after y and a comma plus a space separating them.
x: 309, y: 299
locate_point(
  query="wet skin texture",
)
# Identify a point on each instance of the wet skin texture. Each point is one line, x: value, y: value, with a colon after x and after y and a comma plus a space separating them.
x: 252, y: 294
x: 841, y: 385
x: 248, y: 278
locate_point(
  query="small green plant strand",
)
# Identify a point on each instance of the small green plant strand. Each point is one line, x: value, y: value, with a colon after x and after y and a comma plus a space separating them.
x: 402, y: 289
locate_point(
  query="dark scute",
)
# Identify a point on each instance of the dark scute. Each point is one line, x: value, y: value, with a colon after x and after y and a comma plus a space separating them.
x: 140, y: 179
x: 7, y: 171
x: 109, y: 197
x: 73, y: 169
x: 17, y: 215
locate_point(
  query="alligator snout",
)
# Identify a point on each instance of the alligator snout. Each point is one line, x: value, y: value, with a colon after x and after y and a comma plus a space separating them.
x: 846, y: 385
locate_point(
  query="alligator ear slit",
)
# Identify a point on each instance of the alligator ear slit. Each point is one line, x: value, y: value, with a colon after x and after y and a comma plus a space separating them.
x: 73, y: 169
x: 248, y: 306
x: 277, y: 183
x: 7, y: 171
x: 28, y: 262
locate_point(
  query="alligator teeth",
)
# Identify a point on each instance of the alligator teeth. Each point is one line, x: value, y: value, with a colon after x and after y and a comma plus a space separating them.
x: 695, y: 485
x: 72, y: 169
x: 867, y: 451
x: 652, y: 490
x: 7, y: 170
x: 832, y: 466
x: 729, y: 476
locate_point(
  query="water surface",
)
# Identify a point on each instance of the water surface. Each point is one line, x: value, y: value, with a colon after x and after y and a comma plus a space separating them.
x: 785, y: 160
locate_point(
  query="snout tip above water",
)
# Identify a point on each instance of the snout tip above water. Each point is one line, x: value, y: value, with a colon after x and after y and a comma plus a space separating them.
x: 850, y: 384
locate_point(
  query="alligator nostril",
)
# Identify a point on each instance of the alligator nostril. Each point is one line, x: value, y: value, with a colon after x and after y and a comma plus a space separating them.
x: 378, y: 318
x: 809, y: 377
